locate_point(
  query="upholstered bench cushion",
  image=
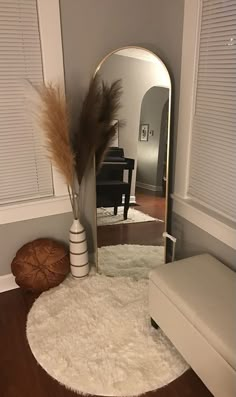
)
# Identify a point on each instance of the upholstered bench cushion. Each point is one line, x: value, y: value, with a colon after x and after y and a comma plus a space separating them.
x: 204, y: 290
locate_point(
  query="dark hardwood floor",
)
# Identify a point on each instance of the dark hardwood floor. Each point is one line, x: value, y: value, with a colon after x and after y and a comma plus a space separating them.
x: 150, y: 203
x: 144, y: 233
x: 21, y: 376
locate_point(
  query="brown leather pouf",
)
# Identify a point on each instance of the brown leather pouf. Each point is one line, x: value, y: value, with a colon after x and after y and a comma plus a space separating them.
x: 40, y: 265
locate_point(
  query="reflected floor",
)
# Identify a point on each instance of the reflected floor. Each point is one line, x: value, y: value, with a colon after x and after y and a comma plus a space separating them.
x: 150, y: 203
x: 143, y: 233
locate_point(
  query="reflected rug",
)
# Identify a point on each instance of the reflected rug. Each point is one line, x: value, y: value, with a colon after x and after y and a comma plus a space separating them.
x: 129, y: 260
x: 94, y: 336
x: 105, y: 216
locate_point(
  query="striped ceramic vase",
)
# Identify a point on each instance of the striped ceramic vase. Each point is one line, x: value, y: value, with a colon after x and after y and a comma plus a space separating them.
x: 79, y: 264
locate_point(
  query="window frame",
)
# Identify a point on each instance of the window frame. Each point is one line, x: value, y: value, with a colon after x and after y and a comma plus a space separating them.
x: 201, y: 216
x: 53, y: 70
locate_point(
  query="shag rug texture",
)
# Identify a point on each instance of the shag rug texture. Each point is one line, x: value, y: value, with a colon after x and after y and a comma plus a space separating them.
x: 105, y: 216
x: 94, y: 336
x: 129, y: 260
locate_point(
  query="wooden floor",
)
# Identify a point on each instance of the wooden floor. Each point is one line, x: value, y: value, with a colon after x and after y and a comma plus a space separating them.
x: 21, y: 376
x: 144, y: 233
x: 151, y: 203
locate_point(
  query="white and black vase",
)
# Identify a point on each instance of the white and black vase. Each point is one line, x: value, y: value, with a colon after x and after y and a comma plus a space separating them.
x: 79, y: 263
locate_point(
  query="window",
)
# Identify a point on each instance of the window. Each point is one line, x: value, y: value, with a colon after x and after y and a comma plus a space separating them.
x: 212, y: 181
x: 205, y: 168
x: 25, y: 171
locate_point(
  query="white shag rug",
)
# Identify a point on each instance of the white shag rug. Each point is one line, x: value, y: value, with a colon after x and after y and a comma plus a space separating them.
x: 129, y: 260
x: 105, y: 216
x: 94, y: 336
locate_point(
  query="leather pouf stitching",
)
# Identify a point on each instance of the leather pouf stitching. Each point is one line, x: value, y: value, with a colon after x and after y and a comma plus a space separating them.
x: 40, y: 265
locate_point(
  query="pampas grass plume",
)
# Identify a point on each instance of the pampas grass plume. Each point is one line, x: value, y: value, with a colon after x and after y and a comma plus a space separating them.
x: 53, y: 118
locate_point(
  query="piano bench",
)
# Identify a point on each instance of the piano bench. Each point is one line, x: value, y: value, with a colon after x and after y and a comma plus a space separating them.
x: 110, y: 193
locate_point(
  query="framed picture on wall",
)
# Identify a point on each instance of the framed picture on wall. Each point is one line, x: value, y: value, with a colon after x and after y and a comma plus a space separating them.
x: 143, y: 133
x: 115, y: 140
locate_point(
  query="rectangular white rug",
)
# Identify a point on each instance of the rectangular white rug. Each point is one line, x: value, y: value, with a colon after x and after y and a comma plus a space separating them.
x: 105, y: 216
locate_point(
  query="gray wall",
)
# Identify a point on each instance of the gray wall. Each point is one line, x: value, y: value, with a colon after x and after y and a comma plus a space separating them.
x: 137, y: 77
x: 14, y: 235
x: 193, y: 241
x: 91, y: 29
x: 148, y: 152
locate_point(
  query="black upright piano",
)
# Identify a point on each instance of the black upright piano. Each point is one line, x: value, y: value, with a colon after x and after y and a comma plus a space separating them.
x: 110, y: 184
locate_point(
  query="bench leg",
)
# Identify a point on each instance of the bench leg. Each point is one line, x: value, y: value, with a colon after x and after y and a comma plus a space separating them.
x: 126, y: 206
x: 154, y: 324
x: 115, y: 210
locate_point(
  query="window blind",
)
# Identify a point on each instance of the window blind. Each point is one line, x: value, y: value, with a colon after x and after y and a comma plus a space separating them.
x: 212, y: 179
x: 25, y: 171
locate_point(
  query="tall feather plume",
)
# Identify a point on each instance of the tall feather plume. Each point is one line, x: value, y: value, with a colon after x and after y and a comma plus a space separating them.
x: 110, y: 106
x: 89, y: 129
x: 53, y: 118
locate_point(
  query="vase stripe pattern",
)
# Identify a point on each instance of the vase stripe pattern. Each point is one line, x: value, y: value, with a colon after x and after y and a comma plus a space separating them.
x: 82, y: 231
x: 77, y: 242
x: 78, y: 250
x: 74, y: 253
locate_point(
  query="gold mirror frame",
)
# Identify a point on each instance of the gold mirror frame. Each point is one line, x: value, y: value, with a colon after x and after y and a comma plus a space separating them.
x: 168, y: 136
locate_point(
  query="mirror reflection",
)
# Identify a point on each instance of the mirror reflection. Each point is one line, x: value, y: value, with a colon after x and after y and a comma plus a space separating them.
x: 131, y: 185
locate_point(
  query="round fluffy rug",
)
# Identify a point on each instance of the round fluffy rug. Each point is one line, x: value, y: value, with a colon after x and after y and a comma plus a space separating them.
x: 129, y: 259
x: 94, y: 336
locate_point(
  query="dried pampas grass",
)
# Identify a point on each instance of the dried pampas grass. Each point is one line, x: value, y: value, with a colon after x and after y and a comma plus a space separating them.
x: 89, y: 128
x: 54, y: 121
x: 73, y: 154
x: 96, y: 129
x: 110, y: 106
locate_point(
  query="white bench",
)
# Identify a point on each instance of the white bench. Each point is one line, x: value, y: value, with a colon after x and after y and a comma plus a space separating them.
x: 194, y: 303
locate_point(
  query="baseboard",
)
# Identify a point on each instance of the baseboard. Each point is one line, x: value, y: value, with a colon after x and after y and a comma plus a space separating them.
x: 146, y: 186
x: 7, y: 282
x: 132, y: 200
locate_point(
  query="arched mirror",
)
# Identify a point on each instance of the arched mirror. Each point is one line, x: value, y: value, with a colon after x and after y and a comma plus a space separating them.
x: 132, y: 184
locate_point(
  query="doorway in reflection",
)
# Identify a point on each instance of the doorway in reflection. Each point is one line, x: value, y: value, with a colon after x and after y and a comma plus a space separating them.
x: 150, y: 188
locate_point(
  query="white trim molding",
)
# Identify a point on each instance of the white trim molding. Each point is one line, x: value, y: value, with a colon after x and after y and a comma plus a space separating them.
x: 223, y: 230
x: 7, y: 283
x: 132, y: 199
x: 192, y: 10
x: 53, y: 62
x: 34, y: 209
x: 53, y: 71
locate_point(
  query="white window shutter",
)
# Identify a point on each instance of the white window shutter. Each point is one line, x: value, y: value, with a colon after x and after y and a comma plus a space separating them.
x: 212, y: 181
x: 25, y: 171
